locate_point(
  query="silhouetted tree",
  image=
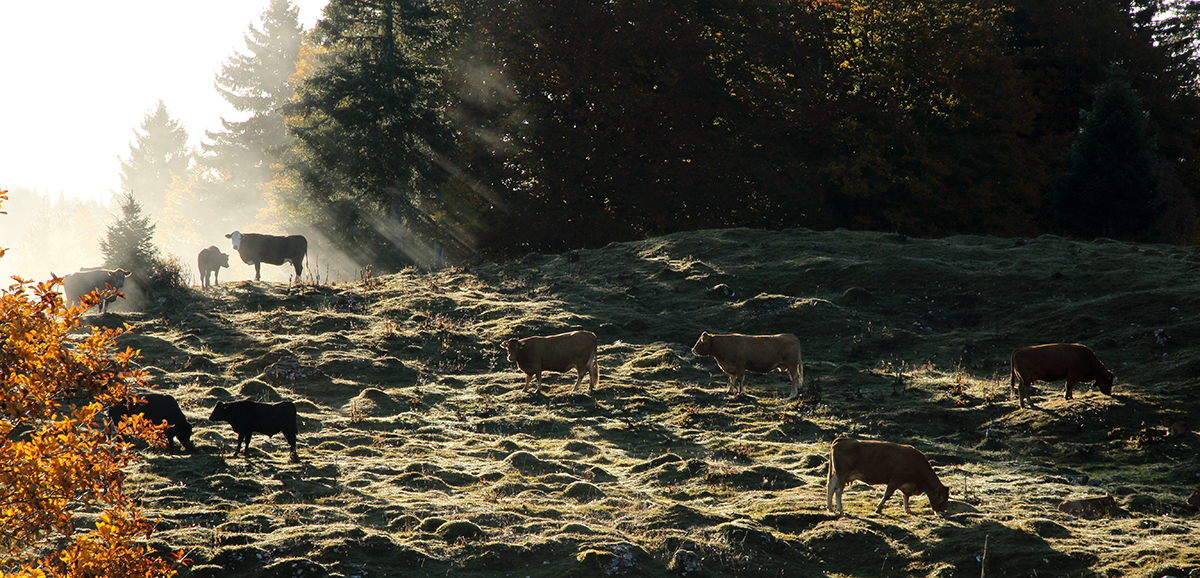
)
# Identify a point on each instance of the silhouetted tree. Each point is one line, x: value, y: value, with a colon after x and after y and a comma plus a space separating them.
x: 1108, y: 186
x: 128, y: 242
x: 157, y: 156
x: 370, y: 129
x: 238, y: 160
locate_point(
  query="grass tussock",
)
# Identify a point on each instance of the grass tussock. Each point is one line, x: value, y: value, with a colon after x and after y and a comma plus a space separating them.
x: 418, y: 451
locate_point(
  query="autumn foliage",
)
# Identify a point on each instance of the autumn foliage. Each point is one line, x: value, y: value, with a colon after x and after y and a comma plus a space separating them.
x: 64, y: 507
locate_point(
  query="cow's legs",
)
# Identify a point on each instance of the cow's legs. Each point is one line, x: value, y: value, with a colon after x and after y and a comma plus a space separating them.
x: 833, y: 487
x: 257, y: 276
x: 1070, y: 387
x: 594, y: 372
x: 528, y: 380
x: 886, y: 496
x: 906, y: 508
x: 538, y: 377
x: 795, y: 377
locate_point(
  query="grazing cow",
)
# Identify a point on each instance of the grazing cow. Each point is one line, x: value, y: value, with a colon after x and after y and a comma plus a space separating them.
x: 211, y: 260
x: 250, y: 417
x: 1194, y: 499
x: 157, y: 408
x: 1088, y: 507
x: 901, y: 467
x: 255, y: 249
x: 1055, y: 361
x: 736, y: 354
x: 565, y: 351
x: 87, y: 280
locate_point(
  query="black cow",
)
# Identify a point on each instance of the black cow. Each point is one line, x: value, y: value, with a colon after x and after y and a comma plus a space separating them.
x: 211, y: 260
x: 250, y: 417
x: 157, y: 408
x: 255, y: 249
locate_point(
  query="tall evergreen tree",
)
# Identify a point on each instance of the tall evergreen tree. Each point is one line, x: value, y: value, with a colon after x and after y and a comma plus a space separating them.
x: 238, y: 159
x: 1109, y: 185
x: 370, y: 128
x: 128, y: 242
x: 157, y: 156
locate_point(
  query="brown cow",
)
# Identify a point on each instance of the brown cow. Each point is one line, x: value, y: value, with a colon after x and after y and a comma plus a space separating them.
x: 565, y: 351
x: 1055, y: 361
x: 736, y: 354
x: 901, y: 467
x: 1088, y: 507
x: 211, y: 260
x: 85, y: 281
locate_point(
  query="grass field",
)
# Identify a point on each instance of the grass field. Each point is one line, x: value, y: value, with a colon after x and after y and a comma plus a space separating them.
x: 420, y: 456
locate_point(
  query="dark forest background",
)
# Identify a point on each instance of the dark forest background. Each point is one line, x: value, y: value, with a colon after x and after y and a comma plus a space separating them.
x: 402, y: 131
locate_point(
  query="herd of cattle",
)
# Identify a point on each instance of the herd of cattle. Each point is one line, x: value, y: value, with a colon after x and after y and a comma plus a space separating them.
x: 254, y: 249
x: 899, y: 467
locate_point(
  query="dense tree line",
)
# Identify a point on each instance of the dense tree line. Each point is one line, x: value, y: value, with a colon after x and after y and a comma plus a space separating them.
x: 577, y: 124
x: 501, y: 127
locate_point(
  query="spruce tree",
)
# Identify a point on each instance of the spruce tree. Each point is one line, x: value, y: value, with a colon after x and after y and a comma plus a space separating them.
x: 1109, y: 187
x: 157, y: 155
x: 254, y: 83
x: 370, y: 128
x: 127, y: 242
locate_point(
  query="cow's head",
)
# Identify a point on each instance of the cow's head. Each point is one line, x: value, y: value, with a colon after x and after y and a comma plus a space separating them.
x: 117, y: 278
x: 512, y: 346
x: 236, y: 237
x: 703, y: 345
x: 938, y: 498
x: 219, y: 412
x: 1105, y: 382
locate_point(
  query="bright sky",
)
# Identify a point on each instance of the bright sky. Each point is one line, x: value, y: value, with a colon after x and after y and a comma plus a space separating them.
x: 78, y: 76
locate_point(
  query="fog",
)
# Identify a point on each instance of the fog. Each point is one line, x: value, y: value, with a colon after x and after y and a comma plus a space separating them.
x: 48, y: 234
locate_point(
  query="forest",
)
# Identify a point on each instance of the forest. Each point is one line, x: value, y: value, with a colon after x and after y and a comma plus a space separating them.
x: 494, y: 129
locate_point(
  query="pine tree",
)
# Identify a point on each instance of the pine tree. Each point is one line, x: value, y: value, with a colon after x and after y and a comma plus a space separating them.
x: 369, y: 128
x: 156, y: 157
x: 1109, y: 186
x: 239, y: 157
x: 127, y: 243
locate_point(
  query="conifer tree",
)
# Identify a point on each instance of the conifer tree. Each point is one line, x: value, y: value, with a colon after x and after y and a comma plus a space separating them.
x: 157, y: 156
x: 370, y: 128
x: 1109, y: 185
x: 127, y: 243
x: 238, y: 158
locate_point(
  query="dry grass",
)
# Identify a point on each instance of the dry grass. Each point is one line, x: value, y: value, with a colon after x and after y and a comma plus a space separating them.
x: 421, y: 457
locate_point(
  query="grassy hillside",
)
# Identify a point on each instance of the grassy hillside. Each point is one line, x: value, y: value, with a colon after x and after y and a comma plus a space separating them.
x: 421, y: 457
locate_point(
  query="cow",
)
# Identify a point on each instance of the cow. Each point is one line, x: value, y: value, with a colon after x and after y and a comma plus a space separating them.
x: 901, y: 467
x: 1088, y: 507
x: 1055, y: 361
x: 157, y: 408
x: 563, y: 352
x: 736, y: 354
x: 1194, y: 499
x: 211, y: 260
x: 1175, y: 426
x: 255, y: 249
x: 250, y: 417
x: 85, y: 281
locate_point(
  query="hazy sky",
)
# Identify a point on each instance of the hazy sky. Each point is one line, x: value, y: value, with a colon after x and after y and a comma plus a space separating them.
x: 77, y: 78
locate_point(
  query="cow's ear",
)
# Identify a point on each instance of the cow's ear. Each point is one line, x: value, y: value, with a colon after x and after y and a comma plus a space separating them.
x: 520, y: 345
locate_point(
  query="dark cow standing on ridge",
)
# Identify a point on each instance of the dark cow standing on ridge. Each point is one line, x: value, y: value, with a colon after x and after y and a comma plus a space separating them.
x: 85, y: 281
x: 250, y: 417
x: 255, y: 249
x: 211, y: 260
x: 157, y: 408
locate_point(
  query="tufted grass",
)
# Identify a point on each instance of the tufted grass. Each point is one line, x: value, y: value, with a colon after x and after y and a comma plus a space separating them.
x: 420, y: 456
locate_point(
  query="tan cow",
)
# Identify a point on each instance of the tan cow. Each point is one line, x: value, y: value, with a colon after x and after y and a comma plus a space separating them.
x: 1055, y: 361
x: 736, y: 354
x: 563, y: 352
x: 85, y: 281
x: 1088, y: 507
x: 901, y: 467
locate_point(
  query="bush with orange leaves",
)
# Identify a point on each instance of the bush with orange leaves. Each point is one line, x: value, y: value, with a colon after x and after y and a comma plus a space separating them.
x: 55, y: 460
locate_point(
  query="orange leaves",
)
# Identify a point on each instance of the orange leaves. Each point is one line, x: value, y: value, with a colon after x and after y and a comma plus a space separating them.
x: 56, y: 460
